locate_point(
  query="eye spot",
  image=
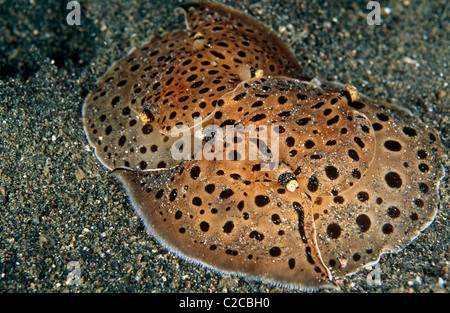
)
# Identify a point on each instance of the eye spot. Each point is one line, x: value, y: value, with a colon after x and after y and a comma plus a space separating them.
x: 228, y: 227
x: 387, y: 229
x: 276, y: 219
x: 413, y: 216
x: 225, y: 194
x: 291, y: 263
x: 309, y: 144
x: 290, y: 141
x: 256, y: 235
x: 204, y: 226
x: 159, y: 194
x: 357, y: 105
x: 197, y: 201
x: 411, y: 132
x: 392, y: 145
x: 382, y: 117
x: 432, y: 137
x: 195, y: 172
x: 353, y: 154
x: 363, y: 222
x: 362, y: 196
x: 173, y: 195
x: 359, y: 142
x: 356, y: 173
x: 424, y: 168
x: 261, y: 200
x: 122, y: 141
x: 147, y: 129
x: 282, y: 100
x: 275, y: 251
x: 231, y: 252
x: 333, y: 120
x: 331, y: 172
x: 313, y: 184
x: 210, y: 188
x: 142, y: 165
x: 377, y: 126
x: 393, y: 212
x: 338, y: 199
x: 334, y: 231
x: 303, y: 121
x: 393, y: 180
x: 126, y: 111
x: 423, y: 188
x: 422, y: 154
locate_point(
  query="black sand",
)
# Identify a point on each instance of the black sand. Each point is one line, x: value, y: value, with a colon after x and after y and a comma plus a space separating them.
x: 58, y: 204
